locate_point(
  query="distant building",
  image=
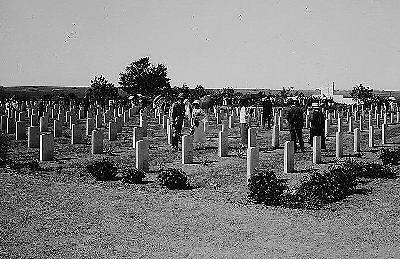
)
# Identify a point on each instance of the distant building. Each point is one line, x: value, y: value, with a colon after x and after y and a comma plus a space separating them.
x: 329, y: 93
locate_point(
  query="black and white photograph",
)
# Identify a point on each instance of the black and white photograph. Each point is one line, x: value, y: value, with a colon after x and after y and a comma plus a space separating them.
x: 199, y: 129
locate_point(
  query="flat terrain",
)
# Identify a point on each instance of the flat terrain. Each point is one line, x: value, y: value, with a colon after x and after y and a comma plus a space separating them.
x: 61, y: 212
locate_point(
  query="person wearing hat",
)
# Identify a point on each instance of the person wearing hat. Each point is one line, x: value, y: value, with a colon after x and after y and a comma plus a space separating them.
x: 177, y: 114
x: 266, y: 111
x: 317, y: 122
x: 296, y: 123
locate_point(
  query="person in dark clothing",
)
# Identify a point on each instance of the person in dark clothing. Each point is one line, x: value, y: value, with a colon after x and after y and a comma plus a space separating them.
x: 317, y: 123
x: 296, y: 123
x: 267, y: 111
x: 177, y: 114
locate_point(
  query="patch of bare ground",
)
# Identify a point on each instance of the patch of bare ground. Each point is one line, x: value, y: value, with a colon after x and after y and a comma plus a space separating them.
x: 61, y: 212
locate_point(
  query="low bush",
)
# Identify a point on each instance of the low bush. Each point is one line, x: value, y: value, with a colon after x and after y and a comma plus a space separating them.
x: 5, y: 144
x: 33, y: 165
x: 341, y: 183
x: 313, y: 192
x: 265, y: 187
x: 372, y: 170
x: 133, y: 175
x: 368, y: 169
x: 320, y: 189
x: 103, y: 170
x: 389, y: 156
x: 173, y: 178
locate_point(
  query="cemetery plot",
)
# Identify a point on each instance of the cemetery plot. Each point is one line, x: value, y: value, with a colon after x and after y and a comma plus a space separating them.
x: 139, y: 217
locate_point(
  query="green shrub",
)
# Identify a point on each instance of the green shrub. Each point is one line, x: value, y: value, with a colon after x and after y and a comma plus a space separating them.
x: 265, y: 187
x: 173, y: 178
x: 133, y: 175
x: 5, y: 145
x: 389, y: 157
x: 103, y: 170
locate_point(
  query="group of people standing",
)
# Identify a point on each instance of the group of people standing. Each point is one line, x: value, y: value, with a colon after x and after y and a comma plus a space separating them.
x: 295, y: 118
x: 192, y: 111
x: 182, y: 109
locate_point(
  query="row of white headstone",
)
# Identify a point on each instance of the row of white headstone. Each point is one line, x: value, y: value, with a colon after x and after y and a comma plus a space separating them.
x: 253, y: 152
x: 40, y: 137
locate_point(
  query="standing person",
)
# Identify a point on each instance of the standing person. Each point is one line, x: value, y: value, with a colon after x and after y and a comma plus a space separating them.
x: 198, y: 116
x: 188, y: 110
x: 267, y: 111
x: 296, y: 123
x: 243, y: 119
x: 317, y: 123
x: 177, y: 113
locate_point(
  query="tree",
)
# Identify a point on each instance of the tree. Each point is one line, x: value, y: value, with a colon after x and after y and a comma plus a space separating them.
x: 199, y: 91
x: 101, y: 90
x: 362, y: 94
x: 141, y: 77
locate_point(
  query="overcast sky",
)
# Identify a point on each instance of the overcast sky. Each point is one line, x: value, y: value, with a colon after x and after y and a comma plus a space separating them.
x: 256, y: 44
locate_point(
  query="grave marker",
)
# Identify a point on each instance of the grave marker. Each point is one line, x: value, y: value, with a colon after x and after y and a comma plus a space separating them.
x: 288, y: 157
x: 316, y: 149
x: 76, y: 134
x: 222, y: 144
x: 89, y: 126
x: 339, y: 144
x: 97, y: 141
x: 357, y: 139
x: 46, y: 146
x: 275, y: 136
x: 137, y: 135
x: 252, y: 161
x: 252, y: 137
x: 142, y: 155
x: 57, y: 126
x: 371, y: 136
x: 20, y: 133
x: 384, y: 128
x: 112, y: 131
x: 187, y: 149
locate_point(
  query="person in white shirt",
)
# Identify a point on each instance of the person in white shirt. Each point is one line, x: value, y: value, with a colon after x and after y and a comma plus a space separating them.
x: 244, y: 118
x: 197, y: 130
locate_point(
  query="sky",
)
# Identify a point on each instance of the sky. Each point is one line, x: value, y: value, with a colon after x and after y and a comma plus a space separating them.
x: 240, y: 44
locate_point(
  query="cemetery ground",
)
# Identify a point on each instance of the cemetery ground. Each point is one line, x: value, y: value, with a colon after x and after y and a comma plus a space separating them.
x: 59, y: 211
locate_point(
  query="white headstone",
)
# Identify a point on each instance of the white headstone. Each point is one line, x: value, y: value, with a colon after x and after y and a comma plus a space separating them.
x: 371, y: 136
x: 275, y: 136
x: 252, y: 161
x: 339, y: 144
x: 316, y: 149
